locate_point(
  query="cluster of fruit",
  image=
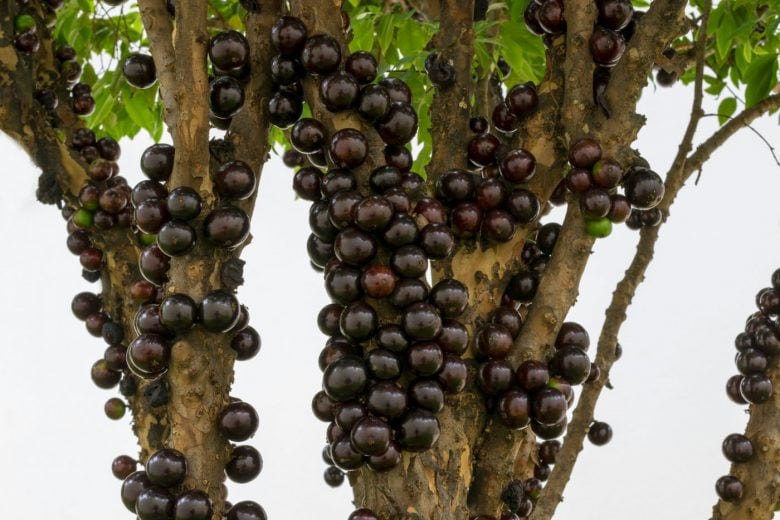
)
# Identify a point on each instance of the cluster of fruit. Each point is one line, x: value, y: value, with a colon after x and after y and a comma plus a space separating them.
x: 26, y: 24
x: 757, y: 347
x: 596, y: 179
x: 384, y: 380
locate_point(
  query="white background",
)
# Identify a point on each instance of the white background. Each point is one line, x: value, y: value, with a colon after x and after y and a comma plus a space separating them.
x: 668, y: 410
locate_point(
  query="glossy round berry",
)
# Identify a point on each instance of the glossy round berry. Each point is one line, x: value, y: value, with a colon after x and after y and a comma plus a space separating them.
x: 437, y: 241
x: 425, y: 358
x: 399, y: 126
x: 247, y: 510
x: 733, y: 389
x: 308, y: 135
x: 427, y: 394
x: 103, y: 376
x: 584, y: 153
x: 371, y: 436
x: 235, y: 180
x: 343, y: 285
x: 219, y: 311
x: 176, y: 238
x: 139, y: 70
x: 494, y: 341
x: 238, y: 421
x: 495, y: 377
x: 409, y: 291
x: 245, y: 464
x: 123, y: 466
x: 514, y: 409
x: 729, y: 489
x: 288, y: 35
x: 454, y: 337
x: 246, y: 344
x: 345, y: 379
x: 549, y: 406
x: 383, y: 364
x: 178, y: 312
x: 518, y: 166
x: 522, y: 286
x: 409, y: 262
x: 354, y: 247
x: 386, y: 399
x: 421, y: 321
x: 482, y: 149
x: 334, y: 477
x: 228, y: 50
x: 226, y: 96
x: 392, y: 338
x: 148, y: 355
x: 522, y: 100
x: 373, y: 103
x: 359, y: 321
x: 615, y: 14
x: 756, y: 388
x: 737, y: 448
x: 344, y: 455
x: 85, y: 304
x: 644, y: 188
x: 606, y: 46
x: 599, y: 433
x: 132, y: 487
x: 193, y: 505
x: 339, y: 91
x: 284, y: 109
x: 348, y: 148
x: 387, y: 460
x: 166, y: 468
x: 398, y: 157
x: 227, y: 227
x: 321, y: 54
x: 450, y: 296
x: 418, y: 430
x: 401, y: 231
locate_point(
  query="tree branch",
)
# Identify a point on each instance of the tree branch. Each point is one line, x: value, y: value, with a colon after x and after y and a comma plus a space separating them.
x: 159, y: 31
x: 664, y: 21
x: 578, y: 68
x: 451, y: 107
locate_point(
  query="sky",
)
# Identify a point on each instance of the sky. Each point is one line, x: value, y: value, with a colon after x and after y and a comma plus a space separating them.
x: 668, y: 409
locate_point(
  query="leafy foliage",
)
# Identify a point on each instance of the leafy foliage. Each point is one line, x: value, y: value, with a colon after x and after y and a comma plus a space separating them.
x: 743, y: 47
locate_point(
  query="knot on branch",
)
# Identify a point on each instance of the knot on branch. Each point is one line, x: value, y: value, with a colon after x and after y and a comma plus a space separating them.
x: 48, y: 192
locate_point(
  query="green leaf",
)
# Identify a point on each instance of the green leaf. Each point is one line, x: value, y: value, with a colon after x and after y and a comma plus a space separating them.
x: 761, y: 78
x: 726, y: 109
x: 384, y: 32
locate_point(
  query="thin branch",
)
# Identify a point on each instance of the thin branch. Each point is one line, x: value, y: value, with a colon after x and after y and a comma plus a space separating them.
x: 451, y: 107
x: 759, y: 134
x: 578, y: 67
x: 743, y: 119
x: 159, y: 31
x: 664, y: 21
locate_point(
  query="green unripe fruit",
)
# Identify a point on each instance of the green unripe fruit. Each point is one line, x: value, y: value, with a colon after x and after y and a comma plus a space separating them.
x: 83, y: 219
x: 23, y: 22
x: 599, y: 228
x: 147, y: 239
x: 115, y: 408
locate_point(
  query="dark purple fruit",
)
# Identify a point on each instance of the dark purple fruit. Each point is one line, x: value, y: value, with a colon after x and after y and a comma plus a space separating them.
x: 514, y: 409
x: 606, y: 46
x: 345, y: 379
x: 644, y: 188
x: 235, y: 180
x: 148, y: 355
x: 193, y: 505
x: 371, y: 436
x: 245, y: 464
x: 495, y: 377
x: 321, y: 54
x: 226, y: 227
x: 219, y: 311
x: 482, y: 149
x: 238, y: 421
x: 139, y: 70
x: 729, y: 489
x: 284, y: 109
x: 246, y: 344
x: 549, y: 406
x: 157, y: 164
x: 247, y: 510
x: 288, y: 35
x: 166, y: 468
x: 427, y: 394
x: 348, y: 148
x: 339, y: 91
x: 418, y: 430
x: 399, y: 126
x: 386, y: 399
x: 132, y: 486
x: 228, y: 50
